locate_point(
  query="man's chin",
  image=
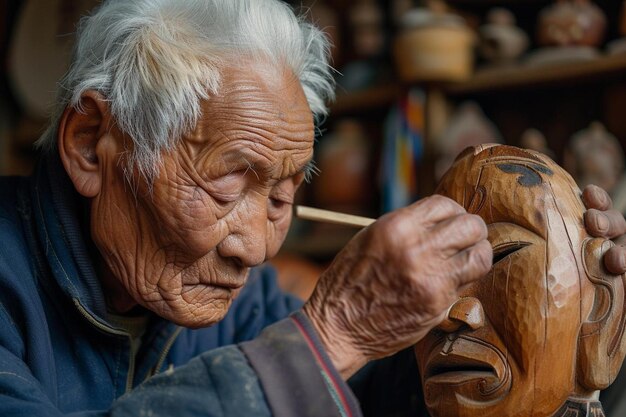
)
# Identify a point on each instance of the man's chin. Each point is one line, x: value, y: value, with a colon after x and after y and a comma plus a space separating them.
x: 196, y: 313
x: 206, y: 317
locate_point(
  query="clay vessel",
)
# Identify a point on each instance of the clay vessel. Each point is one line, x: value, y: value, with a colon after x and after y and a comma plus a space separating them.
x: 344, y: 164
x: 536, y: 141
x: 501, y: 41
x: 434, y: 46
x: 571, y: 23
x: 595, y: 156
x: 467, y: 127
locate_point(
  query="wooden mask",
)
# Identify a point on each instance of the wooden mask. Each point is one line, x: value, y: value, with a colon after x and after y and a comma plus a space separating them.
x: 547, y: 323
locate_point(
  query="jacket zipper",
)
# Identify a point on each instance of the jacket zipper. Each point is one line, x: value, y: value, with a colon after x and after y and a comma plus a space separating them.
x: 111, y: 330
x: 166, y: 349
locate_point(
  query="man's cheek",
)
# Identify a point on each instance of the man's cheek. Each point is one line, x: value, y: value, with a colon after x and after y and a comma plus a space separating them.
x: 193, y: 224
x: 276, y: 235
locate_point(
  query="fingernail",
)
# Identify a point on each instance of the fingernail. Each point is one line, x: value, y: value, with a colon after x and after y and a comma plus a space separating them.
x: 594, y: 191
x: 602, y: 223
x: 601, y: 197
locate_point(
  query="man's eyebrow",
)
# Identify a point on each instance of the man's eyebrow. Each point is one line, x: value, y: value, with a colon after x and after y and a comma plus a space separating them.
x: 309, y: 169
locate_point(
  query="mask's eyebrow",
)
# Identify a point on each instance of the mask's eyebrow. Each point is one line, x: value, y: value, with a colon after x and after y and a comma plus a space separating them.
x: 309, y: 170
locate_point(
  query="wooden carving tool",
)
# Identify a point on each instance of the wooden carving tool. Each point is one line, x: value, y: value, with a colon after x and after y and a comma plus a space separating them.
x: 319, y: 215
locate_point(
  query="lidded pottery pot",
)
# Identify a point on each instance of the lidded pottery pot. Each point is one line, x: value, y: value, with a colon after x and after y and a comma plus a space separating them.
x: 571, y: 23
x: 595, y: 156
x: 434, y: 46
x: 501, y: 41
x: 344, y: 164
x: 467, y: 127
x: 534, y: 140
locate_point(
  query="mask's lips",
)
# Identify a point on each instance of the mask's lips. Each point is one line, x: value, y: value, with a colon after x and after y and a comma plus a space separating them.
x: 466, y: 360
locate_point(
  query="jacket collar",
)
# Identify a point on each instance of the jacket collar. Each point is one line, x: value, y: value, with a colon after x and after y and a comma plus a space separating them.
x: 57, y: 210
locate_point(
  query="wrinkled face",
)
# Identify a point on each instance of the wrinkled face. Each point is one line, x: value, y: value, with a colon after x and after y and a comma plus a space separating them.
x: 220, y: 205
x: 511, y: 346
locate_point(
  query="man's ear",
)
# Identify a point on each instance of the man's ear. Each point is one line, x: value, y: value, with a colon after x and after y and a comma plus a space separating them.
x: 79, y: 132
x: 602, y: 345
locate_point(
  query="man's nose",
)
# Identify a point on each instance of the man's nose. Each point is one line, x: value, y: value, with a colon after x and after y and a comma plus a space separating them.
x: 247, y: 240
x: 465, y: 312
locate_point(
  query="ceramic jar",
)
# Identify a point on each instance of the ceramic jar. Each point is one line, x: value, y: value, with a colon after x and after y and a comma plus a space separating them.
x: 571, y: 23
x: 434, y: 46
x: 343, y: 160
x: 534, y: 140
x: 595, y: 156
x: 467, y: 127
x: 501, y: 41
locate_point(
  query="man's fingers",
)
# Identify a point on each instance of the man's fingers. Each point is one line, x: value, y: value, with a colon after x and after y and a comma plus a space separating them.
x: 431, y: 210
x: 600, y: 221
x: 459, y: 233
x: 472, y: 263
x: 609, y: 224
x: 615, y: 260
x: 595, y: 197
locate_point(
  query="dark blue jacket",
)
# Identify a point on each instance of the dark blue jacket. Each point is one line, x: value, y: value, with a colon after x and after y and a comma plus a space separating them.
x: 60, y: 356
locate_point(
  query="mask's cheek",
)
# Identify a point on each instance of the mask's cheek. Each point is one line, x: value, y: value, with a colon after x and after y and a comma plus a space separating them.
x: 513, y: 296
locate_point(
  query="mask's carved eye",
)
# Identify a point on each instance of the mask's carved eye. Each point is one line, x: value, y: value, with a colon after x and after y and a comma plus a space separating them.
x: 503, y: 250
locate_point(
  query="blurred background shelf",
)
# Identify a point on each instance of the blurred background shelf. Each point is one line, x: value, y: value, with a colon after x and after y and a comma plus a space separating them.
x: 603, y: 69
x: 465, y: 3
x: 379, y: 98
x: 487, y: 81
x: 374, y: 98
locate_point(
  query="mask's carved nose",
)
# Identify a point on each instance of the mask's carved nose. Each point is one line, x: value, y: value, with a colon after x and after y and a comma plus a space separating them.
x: 467, y: 311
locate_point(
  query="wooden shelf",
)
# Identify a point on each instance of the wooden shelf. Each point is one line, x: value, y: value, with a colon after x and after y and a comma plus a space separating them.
x: 375, y: 98
x: 499, y: 3
x: 487, y: 81
x: 549, y: 75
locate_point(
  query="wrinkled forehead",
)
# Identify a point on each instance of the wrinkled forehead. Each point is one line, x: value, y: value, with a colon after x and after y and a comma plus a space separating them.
x: 508, y: 184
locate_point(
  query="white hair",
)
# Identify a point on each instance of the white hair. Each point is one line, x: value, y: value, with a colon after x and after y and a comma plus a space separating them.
x: 155, y: 60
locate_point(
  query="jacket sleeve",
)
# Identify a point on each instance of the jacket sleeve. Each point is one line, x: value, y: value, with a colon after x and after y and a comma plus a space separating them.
x: 218, y: 383
x: 282, y: 373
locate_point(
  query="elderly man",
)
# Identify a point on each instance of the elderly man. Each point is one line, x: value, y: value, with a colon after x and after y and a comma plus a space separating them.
x: 182, y: 132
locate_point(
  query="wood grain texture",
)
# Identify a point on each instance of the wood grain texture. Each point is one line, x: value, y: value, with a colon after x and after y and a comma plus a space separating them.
x: 546, y: 324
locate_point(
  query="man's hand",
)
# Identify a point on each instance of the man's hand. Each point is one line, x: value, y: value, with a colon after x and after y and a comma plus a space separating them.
x: 601, y: 221
x: 396, y: 280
